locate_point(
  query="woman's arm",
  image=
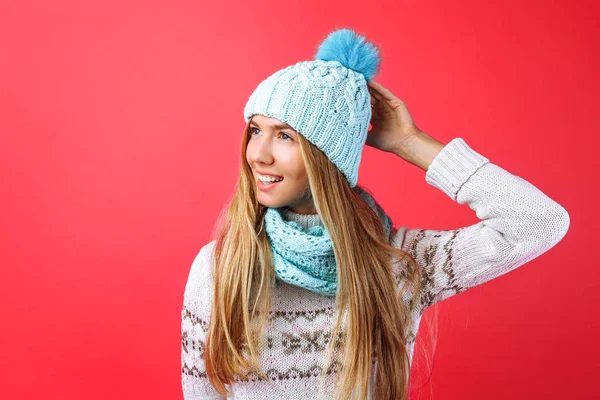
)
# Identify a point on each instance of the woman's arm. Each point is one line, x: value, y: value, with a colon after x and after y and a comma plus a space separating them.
x: 518, y: 222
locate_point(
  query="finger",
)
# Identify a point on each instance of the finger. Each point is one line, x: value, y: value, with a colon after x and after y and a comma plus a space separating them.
x: 382, y: 91
x: 375, y: 94
x: 379, y: 102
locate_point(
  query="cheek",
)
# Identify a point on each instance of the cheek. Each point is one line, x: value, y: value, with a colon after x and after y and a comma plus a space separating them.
x: 295, y: 166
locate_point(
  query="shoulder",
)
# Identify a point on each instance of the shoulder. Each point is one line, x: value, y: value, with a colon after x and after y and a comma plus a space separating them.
x: 204, y: 255
x: 398, y: 237
x: 199, y: 285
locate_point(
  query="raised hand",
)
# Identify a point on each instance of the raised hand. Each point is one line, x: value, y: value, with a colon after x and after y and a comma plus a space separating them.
x: 392, y: 124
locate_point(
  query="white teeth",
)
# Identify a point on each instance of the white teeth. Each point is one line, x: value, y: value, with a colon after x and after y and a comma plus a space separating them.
x: 267, y: 179
x: 270, y: 180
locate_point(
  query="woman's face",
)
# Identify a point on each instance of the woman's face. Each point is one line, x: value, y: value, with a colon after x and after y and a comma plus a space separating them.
x: 273, y: 150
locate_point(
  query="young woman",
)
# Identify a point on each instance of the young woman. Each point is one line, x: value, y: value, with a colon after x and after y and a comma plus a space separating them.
x: 308, y: 291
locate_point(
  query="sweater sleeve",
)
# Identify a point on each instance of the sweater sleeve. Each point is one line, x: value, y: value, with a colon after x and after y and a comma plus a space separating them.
x: 518, y: 223
x: 195, y: 316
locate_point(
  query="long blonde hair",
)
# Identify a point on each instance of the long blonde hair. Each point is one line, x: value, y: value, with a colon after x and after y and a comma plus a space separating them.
x: 377, y: 316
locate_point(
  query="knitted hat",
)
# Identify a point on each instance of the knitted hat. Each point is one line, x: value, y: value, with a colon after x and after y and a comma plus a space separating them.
x: 326, y: 100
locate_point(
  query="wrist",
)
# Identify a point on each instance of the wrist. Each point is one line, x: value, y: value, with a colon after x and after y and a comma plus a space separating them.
x: 405, y: 146
x: 419, y: 149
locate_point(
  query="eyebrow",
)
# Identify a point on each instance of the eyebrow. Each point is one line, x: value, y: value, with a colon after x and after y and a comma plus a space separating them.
x: 276, y: 126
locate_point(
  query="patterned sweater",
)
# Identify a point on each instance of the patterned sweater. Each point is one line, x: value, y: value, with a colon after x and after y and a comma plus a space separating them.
x: 517, y: 223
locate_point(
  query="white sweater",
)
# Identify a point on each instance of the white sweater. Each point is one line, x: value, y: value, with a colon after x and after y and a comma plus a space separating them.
x: 517, y: 223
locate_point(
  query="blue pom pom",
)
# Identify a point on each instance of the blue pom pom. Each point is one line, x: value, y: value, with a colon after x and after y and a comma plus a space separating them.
x: 352, y: 51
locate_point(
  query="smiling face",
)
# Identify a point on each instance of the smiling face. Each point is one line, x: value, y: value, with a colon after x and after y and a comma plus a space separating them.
x: 274, y: 150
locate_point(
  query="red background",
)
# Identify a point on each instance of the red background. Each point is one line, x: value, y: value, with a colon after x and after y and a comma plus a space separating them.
x: 120, y: 131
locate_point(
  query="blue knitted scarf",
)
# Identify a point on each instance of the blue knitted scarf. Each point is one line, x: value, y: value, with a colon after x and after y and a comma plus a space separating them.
x: 304, y: 256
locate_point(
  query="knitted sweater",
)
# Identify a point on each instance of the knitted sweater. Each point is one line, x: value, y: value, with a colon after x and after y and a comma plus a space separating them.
x: 517, y: 223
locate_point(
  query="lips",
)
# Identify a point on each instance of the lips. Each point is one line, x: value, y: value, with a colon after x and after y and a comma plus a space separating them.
x: 267, y: 174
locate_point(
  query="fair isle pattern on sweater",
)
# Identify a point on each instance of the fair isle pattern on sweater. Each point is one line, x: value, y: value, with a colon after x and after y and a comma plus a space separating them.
x: 518, y: 223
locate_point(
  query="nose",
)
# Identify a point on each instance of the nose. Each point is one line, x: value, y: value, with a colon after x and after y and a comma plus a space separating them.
x: 259, y: 151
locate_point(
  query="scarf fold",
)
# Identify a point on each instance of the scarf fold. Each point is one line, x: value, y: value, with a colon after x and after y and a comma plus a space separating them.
x: 304, y: 256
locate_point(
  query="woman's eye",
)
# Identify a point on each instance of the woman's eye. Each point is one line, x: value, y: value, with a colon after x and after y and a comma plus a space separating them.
x: 284, y: 134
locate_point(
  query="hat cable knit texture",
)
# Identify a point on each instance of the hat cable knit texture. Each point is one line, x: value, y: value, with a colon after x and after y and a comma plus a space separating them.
x: 327, y: 99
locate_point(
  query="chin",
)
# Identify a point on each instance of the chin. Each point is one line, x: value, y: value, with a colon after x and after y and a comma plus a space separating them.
x: 267, y: 202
